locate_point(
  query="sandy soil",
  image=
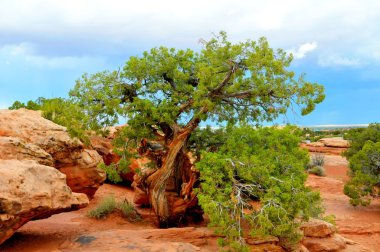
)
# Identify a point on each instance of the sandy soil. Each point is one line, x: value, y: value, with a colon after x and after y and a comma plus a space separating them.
x: 361, y: 224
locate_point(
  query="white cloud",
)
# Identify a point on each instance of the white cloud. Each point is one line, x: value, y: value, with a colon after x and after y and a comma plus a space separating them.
x: 26, y: 53
x: 303, y: 49
x: 345, y: 27
x: 339, y: 61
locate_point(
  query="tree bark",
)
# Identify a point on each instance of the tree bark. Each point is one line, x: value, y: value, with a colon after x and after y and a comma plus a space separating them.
x: 157, y: 181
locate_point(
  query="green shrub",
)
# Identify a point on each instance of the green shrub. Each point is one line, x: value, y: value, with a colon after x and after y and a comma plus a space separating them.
x: 358, y: 138
x: 129, y: 211
x: 264, y: 165
x: 365, y: 174
x: 106, y: 206
x: 317, y: 170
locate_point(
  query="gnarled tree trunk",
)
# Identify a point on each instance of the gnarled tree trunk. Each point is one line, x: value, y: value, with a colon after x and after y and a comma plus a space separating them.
x: 157, y: 182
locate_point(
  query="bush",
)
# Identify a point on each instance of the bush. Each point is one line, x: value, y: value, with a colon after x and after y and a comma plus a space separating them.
x: 318, y: 160
x: 365, y: 174
x: 266, y: 166
x: 317, y: 170
x: 106, y: 206
x: 129, y: 211
x: 358, y: 138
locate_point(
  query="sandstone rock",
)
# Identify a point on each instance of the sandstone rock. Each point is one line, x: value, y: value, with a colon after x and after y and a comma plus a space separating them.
x: 337, y: 142
x: 317, y: 228
x: 315, y: 144
x: 131, y: 240
x: 15, y: 148
x: 104, y: 147
x: 83, y: 175
x: 269, y: 243
x: 68, y: 154
x: 334, y: 242
x: 30, y: 191
x: 324, y: 149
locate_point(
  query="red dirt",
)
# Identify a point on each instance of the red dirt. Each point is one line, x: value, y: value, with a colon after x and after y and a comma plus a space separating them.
x: 57, y: 232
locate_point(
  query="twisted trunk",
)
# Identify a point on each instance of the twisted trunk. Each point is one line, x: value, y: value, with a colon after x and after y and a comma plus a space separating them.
x: 172, y: 166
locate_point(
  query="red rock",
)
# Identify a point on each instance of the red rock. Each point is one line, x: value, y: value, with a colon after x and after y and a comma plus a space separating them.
x: 334, y: 242
x: 317, y: 228
x: 15, y: 148
x: 337, y: 142
x: 32, y: 191
x: 68, y: 154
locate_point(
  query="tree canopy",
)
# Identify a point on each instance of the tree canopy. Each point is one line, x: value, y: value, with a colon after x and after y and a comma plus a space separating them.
x: 246, y: 81
x: 364, y: 158
x: 165, y: 93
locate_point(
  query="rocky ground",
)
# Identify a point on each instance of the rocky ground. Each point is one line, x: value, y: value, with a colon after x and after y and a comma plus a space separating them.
x: 360, y: 224
x: 74, y: 231
x: 30, y: 144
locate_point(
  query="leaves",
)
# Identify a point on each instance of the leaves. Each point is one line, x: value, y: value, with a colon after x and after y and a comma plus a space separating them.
x: 254, y: 185
x: 365, y: 174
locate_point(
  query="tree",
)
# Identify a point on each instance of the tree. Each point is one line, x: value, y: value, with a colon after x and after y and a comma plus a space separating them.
x: 364, y: 158
x: 206, y: 139
x: 32, y: 105
x: 254, y: 185
x: 166, y: 93
x: 358, y: 138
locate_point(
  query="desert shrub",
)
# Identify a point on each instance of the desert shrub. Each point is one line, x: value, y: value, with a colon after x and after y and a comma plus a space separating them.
x: 266, y: 166
x: 129, y: 211
x: 109, y: 205
x: 317, y: 170
x: 318, y: 160
x: 365, y: 174
x: 106, y: 206
x: 358, y: 138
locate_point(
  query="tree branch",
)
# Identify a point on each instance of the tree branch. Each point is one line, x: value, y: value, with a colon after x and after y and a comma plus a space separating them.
x: 226, y: 79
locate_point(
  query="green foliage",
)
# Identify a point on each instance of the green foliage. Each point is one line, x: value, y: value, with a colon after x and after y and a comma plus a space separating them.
x: 109, y: 205
x: 364, y: 173
x: 113, y: 171
x: 265, y: 166
x: 317, y: 170
x: 358, y: 138
x: 106, y: 206
x: 167, y: 88
x: 32, y: 105
x: 206, y: 139
x: 129, y: 211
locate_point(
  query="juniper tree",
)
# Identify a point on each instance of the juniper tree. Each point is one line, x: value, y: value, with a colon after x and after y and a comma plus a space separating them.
x: 165, y: 94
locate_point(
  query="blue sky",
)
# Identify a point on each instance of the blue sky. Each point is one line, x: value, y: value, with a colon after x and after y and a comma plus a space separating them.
x: 45, y: 45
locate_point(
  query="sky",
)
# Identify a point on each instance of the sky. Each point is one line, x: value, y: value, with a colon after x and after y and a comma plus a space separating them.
x: 45, y: 45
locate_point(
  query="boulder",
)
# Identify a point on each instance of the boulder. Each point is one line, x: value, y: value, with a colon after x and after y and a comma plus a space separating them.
x: 336, y: 142
x: 15, y: 148
x: 333, y: 242
x: 318, y: 228
x: 68, y: 154
x: 30, y: 191
x: 103, y: 145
